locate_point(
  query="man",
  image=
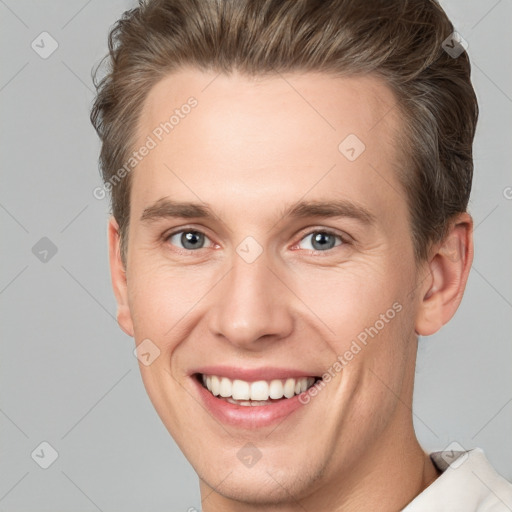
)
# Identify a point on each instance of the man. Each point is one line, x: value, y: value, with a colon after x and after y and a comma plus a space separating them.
x: 289, y: 186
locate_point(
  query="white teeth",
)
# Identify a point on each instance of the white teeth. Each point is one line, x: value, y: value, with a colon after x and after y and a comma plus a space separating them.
x: 247, y: 402
x: 289, y: 388
x: 258, y: 392
x: 224, y: 387
x: 240, y: 390
x: 215, y: 385
x: 276, y: 389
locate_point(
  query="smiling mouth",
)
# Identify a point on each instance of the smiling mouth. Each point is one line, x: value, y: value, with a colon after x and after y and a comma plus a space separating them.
x: 256, y: 393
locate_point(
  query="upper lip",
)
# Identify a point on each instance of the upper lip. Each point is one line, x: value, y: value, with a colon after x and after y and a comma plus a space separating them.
x: 253, y: 374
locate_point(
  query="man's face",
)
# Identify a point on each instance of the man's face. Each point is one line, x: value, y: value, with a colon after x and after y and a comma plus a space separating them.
x: 297, y: 256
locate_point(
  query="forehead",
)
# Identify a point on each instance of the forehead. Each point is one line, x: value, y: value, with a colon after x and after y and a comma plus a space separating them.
x: 278, y: 136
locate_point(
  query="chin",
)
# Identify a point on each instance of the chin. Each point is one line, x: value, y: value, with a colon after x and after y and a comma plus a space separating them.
x: 256, y: 488
x: 264, y: 484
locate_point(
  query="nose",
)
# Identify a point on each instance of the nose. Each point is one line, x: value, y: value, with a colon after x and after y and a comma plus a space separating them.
x: 252, y: 306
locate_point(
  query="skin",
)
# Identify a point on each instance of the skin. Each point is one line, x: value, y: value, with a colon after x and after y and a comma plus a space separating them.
x: 251, y: 148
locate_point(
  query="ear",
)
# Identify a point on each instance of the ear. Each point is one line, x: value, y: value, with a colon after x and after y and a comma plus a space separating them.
x: 118, y: 275
x: 447, y: 273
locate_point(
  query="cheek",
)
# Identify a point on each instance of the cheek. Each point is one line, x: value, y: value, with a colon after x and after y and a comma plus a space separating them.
x: 162, y: 298
x: 350, y: 301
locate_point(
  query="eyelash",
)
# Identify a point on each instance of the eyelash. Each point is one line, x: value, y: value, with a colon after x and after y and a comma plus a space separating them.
x: 343, y: 239
x: 323, y: 231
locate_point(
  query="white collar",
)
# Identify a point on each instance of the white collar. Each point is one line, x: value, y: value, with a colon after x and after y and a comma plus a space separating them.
x: 468, y: 483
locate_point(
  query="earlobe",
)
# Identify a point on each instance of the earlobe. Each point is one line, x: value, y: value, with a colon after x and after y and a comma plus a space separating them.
x: 448, y: 270
x: 118, y: 276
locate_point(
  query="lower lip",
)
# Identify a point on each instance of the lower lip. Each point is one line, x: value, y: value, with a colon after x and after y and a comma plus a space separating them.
x: 248, y: 416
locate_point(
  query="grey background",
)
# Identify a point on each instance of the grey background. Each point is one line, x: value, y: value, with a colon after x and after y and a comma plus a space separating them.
x: 68, y: 374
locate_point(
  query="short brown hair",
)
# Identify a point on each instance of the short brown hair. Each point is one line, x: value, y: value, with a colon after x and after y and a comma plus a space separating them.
x: 398, y: 40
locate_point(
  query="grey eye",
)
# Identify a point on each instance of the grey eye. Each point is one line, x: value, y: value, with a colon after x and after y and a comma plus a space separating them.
x: 189, y: 240
x: 321, y: 241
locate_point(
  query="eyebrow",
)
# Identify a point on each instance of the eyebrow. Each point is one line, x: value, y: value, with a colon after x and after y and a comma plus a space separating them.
x: 166, y: 208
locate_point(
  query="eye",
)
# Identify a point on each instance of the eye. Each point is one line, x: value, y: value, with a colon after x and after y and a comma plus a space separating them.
x: 320, y: 241
x: 189, y: 239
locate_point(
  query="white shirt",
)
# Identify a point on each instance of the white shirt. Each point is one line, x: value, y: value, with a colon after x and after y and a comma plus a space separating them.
x: 468, y: 483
